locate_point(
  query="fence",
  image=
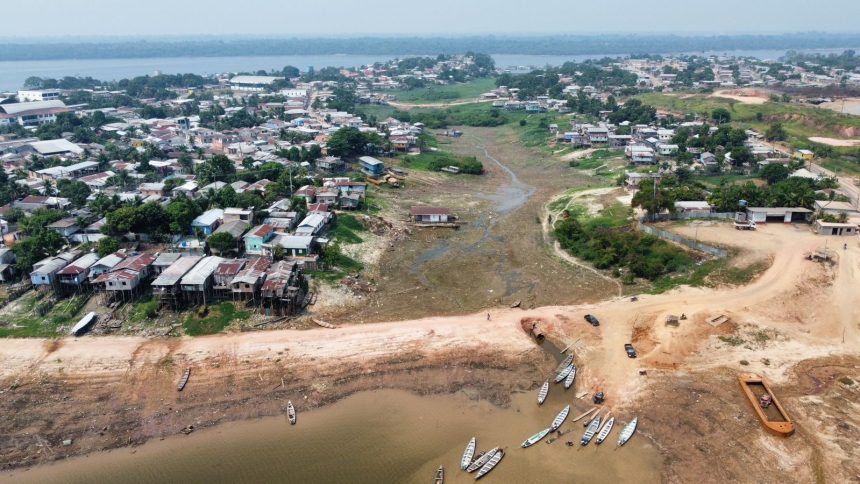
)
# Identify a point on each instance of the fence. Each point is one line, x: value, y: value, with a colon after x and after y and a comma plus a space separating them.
x: 694, y: 215
x: 708, y: 249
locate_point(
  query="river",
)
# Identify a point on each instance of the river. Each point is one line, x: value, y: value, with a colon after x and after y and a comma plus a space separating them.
x: 14, y: 73
x: 372, y: 437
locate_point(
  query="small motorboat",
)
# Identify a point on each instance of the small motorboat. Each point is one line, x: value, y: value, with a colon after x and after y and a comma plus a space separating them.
x: 535, y: 438
x: 491, y: 464
x: 564, y: 373
x: 291, y: 412
x: 590, y: 431
x: 440, y: 475
x: 468, y: 454
x: 568, y: 381
x: 559, y: 419
x: 604, y: 432
x: 627, y: 432
x: 544, y: 391
x: 481, y: 460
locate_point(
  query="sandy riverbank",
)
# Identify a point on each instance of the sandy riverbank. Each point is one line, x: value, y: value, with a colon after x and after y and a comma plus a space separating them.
x: 110, y: 392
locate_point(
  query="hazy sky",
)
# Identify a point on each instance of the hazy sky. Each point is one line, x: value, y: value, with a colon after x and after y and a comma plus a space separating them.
x: 41, y: 18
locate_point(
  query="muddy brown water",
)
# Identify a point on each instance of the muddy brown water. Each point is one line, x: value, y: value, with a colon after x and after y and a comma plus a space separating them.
x: 371, y: 437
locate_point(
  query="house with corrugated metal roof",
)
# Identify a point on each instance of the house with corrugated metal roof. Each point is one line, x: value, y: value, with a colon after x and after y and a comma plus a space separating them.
x: 196, y: 285
x: 166, y: 285
x: 246, y: 284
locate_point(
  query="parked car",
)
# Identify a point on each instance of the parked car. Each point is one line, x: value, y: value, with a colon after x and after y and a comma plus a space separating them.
x: 631, y: 351
x: 592, y: 320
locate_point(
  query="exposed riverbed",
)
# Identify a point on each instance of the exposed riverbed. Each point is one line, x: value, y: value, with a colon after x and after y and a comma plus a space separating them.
x: 371, y: 437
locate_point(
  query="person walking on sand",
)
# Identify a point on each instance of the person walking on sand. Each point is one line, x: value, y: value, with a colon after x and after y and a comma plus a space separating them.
x: 488, y: 316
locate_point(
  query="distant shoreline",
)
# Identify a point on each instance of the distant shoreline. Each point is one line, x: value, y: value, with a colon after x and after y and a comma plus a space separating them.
x: 616, y: 44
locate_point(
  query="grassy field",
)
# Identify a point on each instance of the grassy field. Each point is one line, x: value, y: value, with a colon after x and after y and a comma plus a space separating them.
x: 841, y: 165
x: 714, y: 181
x: 452, y: 92
x: 21, y: 318
x: 799, y: 121
x: 347, y: 229
x: 213, y: 319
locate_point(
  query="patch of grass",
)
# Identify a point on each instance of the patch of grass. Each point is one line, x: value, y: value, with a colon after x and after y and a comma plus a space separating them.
x: 345, y: 229
x: 215, y: 320
x: 595, y: 160
x: 732, y: 340
x: 377, y: 111
x: 26, y: 322
x: 711, y: 273
x: 451, y: 92
x: 145, y: 310
x: 799, y: 121
x: 715, y: 181
x: 436, y: 160
x: 841, y: 165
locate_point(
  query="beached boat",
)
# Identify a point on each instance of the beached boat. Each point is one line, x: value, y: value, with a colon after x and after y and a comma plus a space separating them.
x: 481, y: 460
x: 183, y: 380
x: 440, y: 475
x: 563, y: 373
x: 564, y: 364
x: 491, y: 464
x: 468, y: 454
x: 765, y: 404
x: 568, y: 381
x: 559, y: 419
x: 535, y: 438
x: 593, y: 426
x: 604, y: 432
x: 84, y: 323
x: 544, y: 391
x: 291, y: 412
x: 627, y: 432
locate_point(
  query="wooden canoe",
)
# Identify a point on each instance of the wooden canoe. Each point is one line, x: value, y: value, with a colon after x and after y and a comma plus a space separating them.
x: 184, y: 380
x: 774, y: 418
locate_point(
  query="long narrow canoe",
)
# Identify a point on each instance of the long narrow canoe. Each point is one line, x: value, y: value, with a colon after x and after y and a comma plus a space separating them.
x: 564, y: 364
x: 568, y: 382
x: 468, y: 454
x: 480, y: 461
x: 590, y: 431
x: 544, y: 390
x: 563, y: 373
x: 559, y: 419
x: 440, y: 476
x: 627, y: 432
x: 291, y: 412
x: 184, y: 379
x: 535, y: 438
x: 491, y: 464
x: 604, y: 432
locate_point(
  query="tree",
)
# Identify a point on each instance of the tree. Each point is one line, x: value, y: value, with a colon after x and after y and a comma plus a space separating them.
x: 774, y: 173
x: 721, y: 115
x: 75, y: 190
x: 35, y: 248
x: 347, y: 142
x: 222, y: 242
x: 652, y: 200
x: 107, y: 245
x: 776, y: 132
x: 181, y: 212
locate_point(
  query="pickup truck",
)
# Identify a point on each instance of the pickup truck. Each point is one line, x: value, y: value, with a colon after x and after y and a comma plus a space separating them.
x: 631, y: 352
x: 746, y: 225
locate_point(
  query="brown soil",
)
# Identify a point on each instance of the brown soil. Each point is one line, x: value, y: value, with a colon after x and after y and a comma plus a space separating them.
x: 497, y: 257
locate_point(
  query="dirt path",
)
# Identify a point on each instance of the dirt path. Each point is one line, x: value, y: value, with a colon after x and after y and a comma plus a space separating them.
x: 547, y: 228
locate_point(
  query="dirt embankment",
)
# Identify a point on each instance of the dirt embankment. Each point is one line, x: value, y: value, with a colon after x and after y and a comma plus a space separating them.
x: 102, y: 409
